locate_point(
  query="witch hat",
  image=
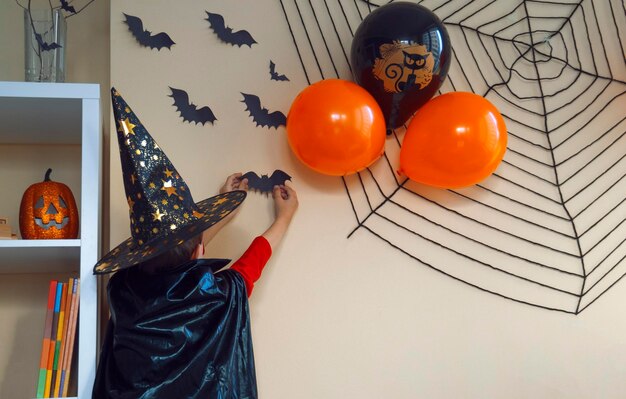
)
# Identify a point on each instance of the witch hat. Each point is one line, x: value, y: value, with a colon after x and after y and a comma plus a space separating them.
x: 162, y: 211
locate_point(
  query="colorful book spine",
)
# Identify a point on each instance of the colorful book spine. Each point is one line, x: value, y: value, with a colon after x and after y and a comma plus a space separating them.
x: 59, y: 340
x: 47, y: 334
x: 65, y: 315
x: 53, y: 338
x: 69, y: 347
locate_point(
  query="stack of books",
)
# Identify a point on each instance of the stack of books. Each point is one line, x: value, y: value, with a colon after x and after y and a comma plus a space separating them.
x: 5, y: 230
x: 59, y: 337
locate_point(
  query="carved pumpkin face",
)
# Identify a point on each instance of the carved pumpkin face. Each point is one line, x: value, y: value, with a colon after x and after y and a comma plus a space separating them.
x: 48, y: 211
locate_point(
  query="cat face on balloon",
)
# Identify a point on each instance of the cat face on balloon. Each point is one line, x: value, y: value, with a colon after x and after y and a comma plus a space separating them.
x: 404, y: 66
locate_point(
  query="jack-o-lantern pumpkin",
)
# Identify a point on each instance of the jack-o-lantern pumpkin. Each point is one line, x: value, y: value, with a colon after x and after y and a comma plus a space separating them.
x: 48, y: 210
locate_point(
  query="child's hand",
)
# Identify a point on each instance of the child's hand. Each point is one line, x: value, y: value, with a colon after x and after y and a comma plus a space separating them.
x: 234, y: 182
x: 285, y: 202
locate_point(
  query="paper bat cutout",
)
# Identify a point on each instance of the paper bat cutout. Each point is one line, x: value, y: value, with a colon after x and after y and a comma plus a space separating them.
x: 189, y: 111
x: 226, y: 34
x: 261, y: 116
x: 45, y: 46
x: 274, y: 75
x: 265, y: 183
x: 144, y: 37
x: 65, y: 6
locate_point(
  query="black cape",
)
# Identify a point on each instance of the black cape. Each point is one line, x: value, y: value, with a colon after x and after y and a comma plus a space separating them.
x: 181, y: 334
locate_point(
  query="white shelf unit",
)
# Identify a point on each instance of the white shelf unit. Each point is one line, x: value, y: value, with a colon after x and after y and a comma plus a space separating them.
x: 55, y: 116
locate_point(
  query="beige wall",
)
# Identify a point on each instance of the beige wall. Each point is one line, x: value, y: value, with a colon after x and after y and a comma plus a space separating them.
x: 334, y: 317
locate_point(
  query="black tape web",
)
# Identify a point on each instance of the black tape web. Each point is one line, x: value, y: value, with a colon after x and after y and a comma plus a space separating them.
x: 548, y: 228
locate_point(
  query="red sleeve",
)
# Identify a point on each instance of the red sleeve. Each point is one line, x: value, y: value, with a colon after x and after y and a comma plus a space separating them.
x: 251, y: 263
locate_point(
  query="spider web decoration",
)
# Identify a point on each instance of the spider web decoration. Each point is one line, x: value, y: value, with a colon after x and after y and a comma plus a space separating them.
x: 548, y: 228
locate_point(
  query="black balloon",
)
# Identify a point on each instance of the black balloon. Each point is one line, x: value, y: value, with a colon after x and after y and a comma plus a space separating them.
x: 400, y: 54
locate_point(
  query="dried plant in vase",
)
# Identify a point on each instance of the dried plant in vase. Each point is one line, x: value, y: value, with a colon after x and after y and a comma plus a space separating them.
x: 45, y: 33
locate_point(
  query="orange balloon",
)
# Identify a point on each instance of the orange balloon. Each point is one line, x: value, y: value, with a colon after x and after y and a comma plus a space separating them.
x: 455, y: 140
x: 335, y: 127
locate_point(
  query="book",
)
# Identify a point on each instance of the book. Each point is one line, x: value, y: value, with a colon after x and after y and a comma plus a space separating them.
x: 66, y: 301
x: 71, y: 335
x: 47, y: 333
x: 53, y: 338
x: 58, y: 390
x: 59, y: 338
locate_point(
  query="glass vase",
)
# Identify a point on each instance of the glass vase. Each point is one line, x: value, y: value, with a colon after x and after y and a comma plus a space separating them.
x: 45, y: 32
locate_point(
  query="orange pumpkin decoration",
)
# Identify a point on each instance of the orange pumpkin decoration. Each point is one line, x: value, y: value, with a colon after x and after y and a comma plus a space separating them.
x: 48, y: 211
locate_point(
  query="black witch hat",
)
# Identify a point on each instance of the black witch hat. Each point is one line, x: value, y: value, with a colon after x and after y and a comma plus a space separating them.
x: 162, y: 211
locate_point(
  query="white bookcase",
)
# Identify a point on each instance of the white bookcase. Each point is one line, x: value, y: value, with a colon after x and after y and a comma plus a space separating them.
x: 56, y: 125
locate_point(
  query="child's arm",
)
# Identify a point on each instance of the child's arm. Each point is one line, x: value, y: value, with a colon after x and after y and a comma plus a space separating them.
x: 285, y: 205
x: 251, y: 263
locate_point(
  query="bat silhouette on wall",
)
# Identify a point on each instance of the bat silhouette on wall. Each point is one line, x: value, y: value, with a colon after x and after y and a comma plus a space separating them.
x: 265, y: 183
x: 45, y: 46
x: 274, y: 75
x: 226, y: 34
x: 261, y: 116
x: 145, y: 37
x: 65, y: 6
x: 189, y: 111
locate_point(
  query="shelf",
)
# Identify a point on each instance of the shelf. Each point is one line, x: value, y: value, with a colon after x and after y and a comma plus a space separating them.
x: 50, y: 121
x: 50, y: 90
x: 54, y: 106
x: 39, y: 256
x: 39, y: 243
x: 47, y: 124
